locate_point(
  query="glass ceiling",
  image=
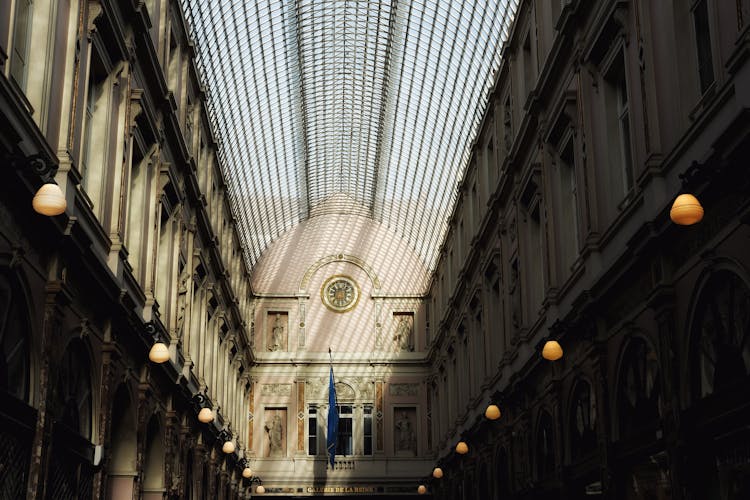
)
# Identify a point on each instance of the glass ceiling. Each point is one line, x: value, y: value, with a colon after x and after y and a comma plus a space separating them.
x: 362, y: 106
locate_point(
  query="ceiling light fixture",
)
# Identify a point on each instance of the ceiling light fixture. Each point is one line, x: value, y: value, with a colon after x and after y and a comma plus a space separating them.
x: 49, y: 200
x: 552, y: 350
x: 462, y: 448
x: 686, y: 210
x: 492, y: 412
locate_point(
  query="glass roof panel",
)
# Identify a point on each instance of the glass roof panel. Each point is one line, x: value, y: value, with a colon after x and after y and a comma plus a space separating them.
x: 361, y: 106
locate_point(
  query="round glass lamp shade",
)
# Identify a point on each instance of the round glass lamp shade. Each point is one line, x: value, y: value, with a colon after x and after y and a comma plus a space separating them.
x: 686, y: 210
x: 247, y: 473
x: 228, y: 447
x: 260, y: 490
x: 552, y: 350
x: 492, y: 412
x: 462, y: 448
x: 422, y: 489
x: 437, y: 472
x: 49, y: 200
x: 206, y: 415
x: 159, y: 353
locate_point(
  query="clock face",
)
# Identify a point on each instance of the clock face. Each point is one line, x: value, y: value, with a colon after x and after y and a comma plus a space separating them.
x: 340, y: 293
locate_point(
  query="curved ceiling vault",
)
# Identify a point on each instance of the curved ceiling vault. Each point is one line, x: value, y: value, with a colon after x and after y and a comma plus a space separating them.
x: 370, y: 103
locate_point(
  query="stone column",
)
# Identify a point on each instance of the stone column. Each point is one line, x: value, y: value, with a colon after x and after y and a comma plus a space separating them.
x: 51, y: 333
x: 662, y: 303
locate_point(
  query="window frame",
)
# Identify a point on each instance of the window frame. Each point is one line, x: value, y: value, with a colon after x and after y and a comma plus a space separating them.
x: 17, y: 61
x: 616, y: 80
x: 704, y: 87
x: 312, y: 423
x: 367, y: 413
x: 343, y: 418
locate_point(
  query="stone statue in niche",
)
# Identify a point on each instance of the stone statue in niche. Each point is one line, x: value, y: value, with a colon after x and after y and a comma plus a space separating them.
x: 276, y: 340
x: 404, y: 433
x: 275, y: 430
x: 514, y: 290
x: 181, y: 302
x: 404, y: 333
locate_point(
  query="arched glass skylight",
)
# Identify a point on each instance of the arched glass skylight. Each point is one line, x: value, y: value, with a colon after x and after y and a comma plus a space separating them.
x: 355, y: 106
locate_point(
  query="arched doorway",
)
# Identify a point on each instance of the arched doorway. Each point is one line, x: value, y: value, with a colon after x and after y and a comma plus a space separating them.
x: 584, y: 469
x: 17, y: 417
x: 643, y: 470
x: 502, y: 475
x: 123, y: 447
x: 70, y: 472
x: 153, y: 460
x: 719, y: 365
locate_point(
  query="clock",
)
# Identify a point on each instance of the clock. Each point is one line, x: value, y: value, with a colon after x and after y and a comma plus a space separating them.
x: 340, y: 293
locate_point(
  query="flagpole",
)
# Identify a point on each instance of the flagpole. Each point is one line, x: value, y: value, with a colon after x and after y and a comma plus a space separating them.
x: 333, y: 415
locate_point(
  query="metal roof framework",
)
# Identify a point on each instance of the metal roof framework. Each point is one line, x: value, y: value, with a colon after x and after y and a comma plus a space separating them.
x: 346, y: 106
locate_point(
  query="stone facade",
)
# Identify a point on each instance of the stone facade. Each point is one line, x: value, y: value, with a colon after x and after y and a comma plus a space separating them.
x: 104, y: 95
x: 601, y: 114
x: 340, y: 293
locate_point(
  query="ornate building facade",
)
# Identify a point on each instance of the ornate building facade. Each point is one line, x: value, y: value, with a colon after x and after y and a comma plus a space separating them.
x: 105, y: 97
x: 601, y: 113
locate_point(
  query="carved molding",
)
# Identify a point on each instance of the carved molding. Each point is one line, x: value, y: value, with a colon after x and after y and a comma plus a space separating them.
x: 339, y: 258
x: 276, y: 390
x: 403, y: 389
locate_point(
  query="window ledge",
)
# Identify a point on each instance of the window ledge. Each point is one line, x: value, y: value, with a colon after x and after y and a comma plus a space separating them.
x: 704, y: 102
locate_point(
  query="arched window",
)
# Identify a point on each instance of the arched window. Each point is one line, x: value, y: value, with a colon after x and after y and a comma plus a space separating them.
x: 502, y: 476
x: 639, y: 394
x: 71, y: 463
x: 14, y: 346
x: 721, y: 333
x: 74, y: 390
x: 582, y: 421
x: 121, y: 468
x: 153, y: 458
x: 469, y: 481
x: 204, y: 482
x: 17, y: 418
x: 483, y: 482
x: 189, y: 476
x: 545, y: 447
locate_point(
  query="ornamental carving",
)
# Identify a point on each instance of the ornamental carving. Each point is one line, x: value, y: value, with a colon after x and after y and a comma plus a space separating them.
x: 276, y: 390
x: 366, y: 390
x: 404, y: 389
x: 344, y: 391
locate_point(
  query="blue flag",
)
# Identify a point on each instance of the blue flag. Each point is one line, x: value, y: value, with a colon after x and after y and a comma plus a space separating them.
x: 333, y: 421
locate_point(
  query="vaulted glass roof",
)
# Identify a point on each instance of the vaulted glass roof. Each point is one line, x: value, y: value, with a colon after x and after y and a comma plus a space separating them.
x: 365, y: 107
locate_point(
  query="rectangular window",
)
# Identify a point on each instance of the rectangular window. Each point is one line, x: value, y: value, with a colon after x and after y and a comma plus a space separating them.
x: 556, y: 9
x: 174, y: 64
x: 137, y: 204
x: 312, y: 430
x: 568, y: 206
x: 703, y: 44
x: 507, y: 124
x: 624, y: 120
x: 618, y: 176
x: 20, y: 52
x: 367, y: 425
x: 88, y: 143
x: 528, y: 65
x: 344, y: 440
x: 94, y: 157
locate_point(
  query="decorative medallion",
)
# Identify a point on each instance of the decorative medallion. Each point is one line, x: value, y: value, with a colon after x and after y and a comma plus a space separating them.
x: 340, y: 293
